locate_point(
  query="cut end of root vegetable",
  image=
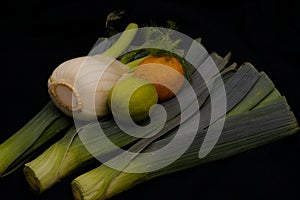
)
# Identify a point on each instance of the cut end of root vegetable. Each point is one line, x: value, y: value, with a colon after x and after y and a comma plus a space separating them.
x: 79, y: 87
x: 94, y: 77
x: 32, y: 180
x: 65, y: 95
x: 76, y: 191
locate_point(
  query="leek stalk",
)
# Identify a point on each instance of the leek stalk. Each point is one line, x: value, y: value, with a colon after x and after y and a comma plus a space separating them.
x: 243, y: 131
x: 234, y: 140
x: 260, y: 117
x: 30, y: 136
x: 69, y: 154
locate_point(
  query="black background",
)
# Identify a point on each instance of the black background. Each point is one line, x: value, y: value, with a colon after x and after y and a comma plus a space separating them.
x: 36, y: 36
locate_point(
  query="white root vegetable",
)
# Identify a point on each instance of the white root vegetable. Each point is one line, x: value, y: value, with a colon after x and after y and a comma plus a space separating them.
x: 80, y: 86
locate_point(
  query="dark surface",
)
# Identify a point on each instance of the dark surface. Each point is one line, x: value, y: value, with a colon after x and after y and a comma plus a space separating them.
x: 37, y: 36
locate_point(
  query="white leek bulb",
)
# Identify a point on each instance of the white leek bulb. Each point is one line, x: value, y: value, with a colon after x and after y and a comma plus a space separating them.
x: 82, y: 85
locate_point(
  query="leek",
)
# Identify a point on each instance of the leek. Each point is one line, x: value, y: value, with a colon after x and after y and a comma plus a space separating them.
x: 69, y: 154
x: 30, y: 138
x: 238, y: 136
x: 256, y: 115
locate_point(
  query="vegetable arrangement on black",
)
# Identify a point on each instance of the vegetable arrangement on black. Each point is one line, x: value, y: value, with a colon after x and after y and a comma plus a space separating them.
x: 256, y: 114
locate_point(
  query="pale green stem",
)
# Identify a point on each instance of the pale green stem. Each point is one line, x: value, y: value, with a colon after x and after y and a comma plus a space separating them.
x: 25, y: 137
x: 123, y: 41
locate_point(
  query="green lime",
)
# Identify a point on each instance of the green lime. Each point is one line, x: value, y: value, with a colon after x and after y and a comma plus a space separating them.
x: 132, y: 97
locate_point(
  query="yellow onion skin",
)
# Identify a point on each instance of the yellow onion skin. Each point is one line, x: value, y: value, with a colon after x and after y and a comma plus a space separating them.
x: 80, y: 86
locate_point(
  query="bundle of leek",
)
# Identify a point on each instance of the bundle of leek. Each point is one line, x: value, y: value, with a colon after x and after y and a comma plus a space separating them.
x: 70, y: 154
x: 257, y: 114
